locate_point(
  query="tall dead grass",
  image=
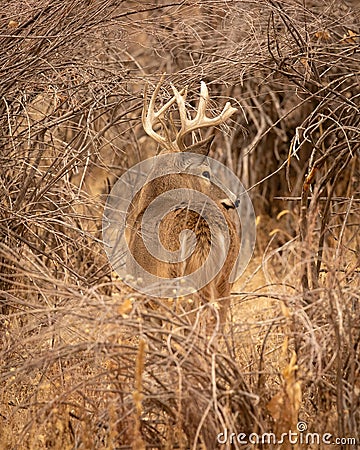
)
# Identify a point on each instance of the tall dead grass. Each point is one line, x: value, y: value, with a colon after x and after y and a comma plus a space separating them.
x: 84, y: 365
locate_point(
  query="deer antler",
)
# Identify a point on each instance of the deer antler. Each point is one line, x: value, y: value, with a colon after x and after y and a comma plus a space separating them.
x: 200, y: 120
x: 150, y: 117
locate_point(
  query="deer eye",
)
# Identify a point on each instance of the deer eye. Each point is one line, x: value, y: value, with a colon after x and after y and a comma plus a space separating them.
x: 206, y: 174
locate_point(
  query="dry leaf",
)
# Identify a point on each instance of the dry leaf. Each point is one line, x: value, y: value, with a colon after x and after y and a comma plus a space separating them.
x: 285, y: 310
x: 305, y: 63
x: 285, y: 405
x: 125, y: 307
x: 350, y: 37
x: 13, y: 24
x: 292, y: 386
x: 323, y: 35
x: 276, y: 406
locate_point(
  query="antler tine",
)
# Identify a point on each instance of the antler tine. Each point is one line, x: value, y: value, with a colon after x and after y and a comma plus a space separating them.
x: 167, y: 105
x: 203, y: 101
x: 150, y: 117
x: 200, y: 120
x: 180, y: 100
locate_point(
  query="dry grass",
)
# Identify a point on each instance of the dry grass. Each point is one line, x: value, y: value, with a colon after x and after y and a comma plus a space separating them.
x: 84, y: 365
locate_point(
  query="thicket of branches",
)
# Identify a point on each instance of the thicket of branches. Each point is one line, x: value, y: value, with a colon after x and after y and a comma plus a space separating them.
x: 83, y: 365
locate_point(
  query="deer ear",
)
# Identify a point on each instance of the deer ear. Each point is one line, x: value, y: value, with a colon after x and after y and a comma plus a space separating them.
x: 202, y: 147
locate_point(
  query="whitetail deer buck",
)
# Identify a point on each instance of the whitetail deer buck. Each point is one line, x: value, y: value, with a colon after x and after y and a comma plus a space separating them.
x: 188, y: 229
